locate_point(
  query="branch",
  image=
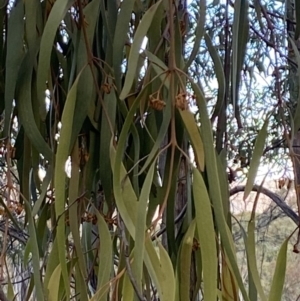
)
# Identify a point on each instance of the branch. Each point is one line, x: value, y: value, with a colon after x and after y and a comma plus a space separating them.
x: 20, y: 236
x: 288, y: 211
x: 274, y: 197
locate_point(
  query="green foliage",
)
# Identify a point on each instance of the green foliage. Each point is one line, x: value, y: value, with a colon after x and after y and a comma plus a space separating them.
x: 80, y: 90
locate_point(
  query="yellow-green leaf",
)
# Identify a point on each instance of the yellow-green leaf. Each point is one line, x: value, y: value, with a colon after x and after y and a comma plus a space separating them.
x: 168, y: 277
x: 53, y: 285
x: 136, y: 46
x: 194, y: 134
x: 105, y: 256
x: 207, y: 236
x: 57, y: 13
x: 279, y: 274
x: 60, y: 177
x: 251, y: 256
x: 185, y: 262
x: 255, y: 160
x: 139, y: 246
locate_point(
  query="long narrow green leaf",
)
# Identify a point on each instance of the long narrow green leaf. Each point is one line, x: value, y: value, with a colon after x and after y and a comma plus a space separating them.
x: 120, y: 38
x: 110, y: 103
x: 251, y: 256
x: 185, y: 262
x: 74, y: 222
x: 44, y: 188
x: 255, y: 160
x: 127, y: 206
x: 57, y: 14
x: 199, y: 33
x: 252, y: 287
x: 168, y: 277
x: 279, y: 275
x: 240, y: 31
x: 207, y: 236
x: 110, y: 17
x: 139, y: 246
x: 155, y: 60
x: 35, y: 253
x: 23, y: 97
x: 127, y: 292
x: 31, y: 8
x: 14, y: 56
x: 194, y: 134
x: 219, y: 74
x: 53, y: 285
x: 105, y: 256
x: 60, y: 177
x: 86, y: 92
x: 136, y: 46
x: 215, y: 191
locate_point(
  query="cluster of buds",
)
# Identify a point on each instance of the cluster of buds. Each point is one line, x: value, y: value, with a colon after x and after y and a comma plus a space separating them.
x: 13, y: 207
x: 89, y: 218
x: 182, y: 101
x: 156, y: 103
x: 106, y: 87
x: 85, y: 218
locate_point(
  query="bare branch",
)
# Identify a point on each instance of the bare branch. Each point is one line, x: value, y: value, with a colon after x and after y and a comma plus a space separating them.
x: 274, y: 197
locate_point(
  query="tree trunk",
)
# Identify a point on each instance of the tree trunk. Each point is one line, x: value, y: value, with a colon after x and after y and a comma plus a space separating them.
x: 293, y: 81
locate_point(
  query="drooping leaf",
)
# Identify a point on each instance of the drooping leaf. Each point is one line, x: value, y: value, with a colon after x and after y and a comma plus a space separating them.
x: 14, y: 56
x: 74, y: 219
x: 206, y: 232
x: 139, y: 37
x: 140, y: 234
x: 167, y: 273
x: 105, y: 257
x: 120, y: 37
x: 215, y: 192
x: 194, y: 135
x: 240, y: 31
x: 255, y: 160
x: 57, y: 14
x: 198, y: 34
x: 279, y: 274
x: 23, y: 98
x: 39, y: 288
x: 60, y: 177
x: 219, y: 74
x: 251, y: 256
x: 53, y: 286
x: 185, y: 263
